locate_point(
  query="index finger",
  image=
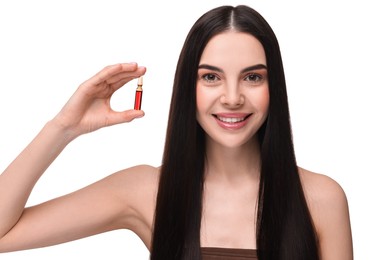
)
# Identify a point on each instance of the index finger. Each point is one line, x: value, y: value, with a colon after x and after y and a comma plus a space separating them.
x: 112, y: 73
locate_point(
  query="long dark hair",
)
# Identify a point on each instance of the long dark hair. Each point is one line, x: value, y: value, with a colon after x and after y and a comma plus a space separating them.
x: 284, y: 225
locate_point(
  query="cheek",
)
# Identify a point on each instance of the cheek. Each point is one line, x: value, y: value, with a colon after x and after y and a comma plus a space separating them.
x: 201, y: 99
x: 265, y: 99
x: 260, y: 99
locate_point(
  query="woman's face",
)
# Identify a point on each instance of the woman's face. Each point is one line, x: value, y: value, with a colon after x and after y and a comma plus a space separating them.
x: 232, y: 88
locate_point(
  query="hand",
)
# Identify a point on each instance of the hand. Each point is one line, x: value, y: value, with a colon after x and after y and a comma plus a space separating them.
x: 89, y: 107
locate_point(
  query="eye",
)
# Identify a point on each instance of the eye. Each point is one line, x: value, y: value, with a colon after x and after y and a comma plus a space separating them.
x: 254, y: 78
x: 210, y: 78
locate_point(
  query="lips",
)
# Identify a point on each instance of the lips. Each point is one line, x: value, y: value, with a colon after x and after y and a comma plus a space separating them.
x: 232, y: 121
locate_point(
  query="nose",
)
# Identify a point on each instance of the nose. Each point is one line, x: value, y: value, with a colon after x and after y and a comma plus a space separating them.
x: 232, y: 96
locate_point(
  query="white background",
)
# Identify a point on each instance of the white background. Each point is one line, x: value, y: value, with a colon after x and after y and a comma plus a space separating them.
x: 336, y: 58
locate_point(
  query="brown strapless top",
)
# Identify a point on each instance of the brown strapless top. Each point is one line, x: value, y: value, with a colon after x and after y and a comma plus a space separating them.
x: 214, y: 253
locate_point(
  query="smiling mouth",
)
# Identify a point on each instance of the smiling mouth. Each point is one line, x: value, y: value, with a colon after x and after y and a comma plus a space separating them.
x: 231, y: 120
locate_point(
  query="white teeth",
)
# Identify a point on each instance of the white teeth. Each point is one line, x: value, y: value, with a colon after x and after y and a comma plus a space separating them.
x: 231, y: 119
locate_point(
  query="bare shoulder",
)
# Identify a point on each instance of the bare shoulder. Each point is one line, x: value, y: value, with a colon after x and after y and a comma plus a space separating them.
x: 323, y: 194
x: 137, y: 188
x: 138, y: 176
x: 328, y: 206
x: 320, y: 188
x: 139, y: 184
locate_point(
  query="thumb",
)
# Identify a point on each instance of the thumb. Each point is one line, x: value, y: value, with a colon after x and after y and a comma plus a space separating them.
x: 126, y: 116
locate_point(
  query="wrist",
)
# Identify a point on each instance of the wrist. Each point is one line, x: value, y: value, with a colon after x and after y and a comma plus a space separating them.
x: 64, y: 132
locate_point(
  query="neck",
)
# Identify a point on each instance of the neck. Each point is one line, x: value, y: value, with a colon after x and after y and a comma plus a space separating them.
x: 233, y: 164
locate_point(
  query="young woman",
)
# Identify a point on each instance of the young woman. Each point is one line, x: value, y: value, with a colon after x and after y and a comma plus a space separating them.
x: 228, y: 186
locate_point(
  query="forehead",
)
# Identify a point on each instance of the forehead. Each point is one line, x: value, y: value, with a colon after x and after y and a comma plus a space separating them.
x: 233, y: 47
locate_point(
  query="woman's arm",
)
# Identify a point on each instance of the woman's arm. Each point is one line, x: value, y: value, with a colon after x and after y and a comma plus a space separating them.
x: 123, y: 200
x: 329, y: 209
x: 334, y: 227
x: 87, y: 110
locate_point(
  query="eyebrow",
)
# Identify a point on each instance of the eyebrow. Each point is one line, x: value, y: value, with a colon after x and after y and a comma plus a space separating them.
x: 254, y: 67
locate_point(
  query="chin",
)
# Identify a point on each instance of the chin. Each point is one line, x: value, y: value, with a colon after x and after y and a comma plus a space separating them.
x: 231, y: 143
